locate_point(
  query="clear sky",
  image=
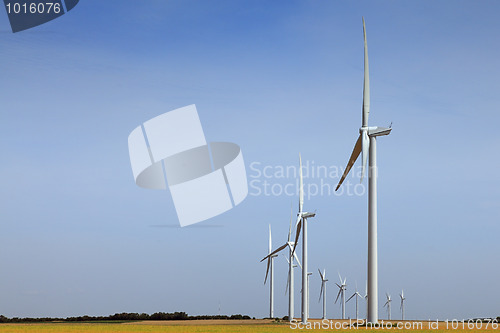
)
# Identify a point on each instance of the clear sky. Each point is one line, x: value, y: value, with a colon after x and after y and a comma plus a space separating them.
x: 77, y: 236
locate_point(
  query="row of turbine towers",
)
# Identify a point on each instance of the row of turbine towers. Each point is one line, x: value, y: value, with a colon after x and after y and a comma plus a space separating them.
x: 366, y: 145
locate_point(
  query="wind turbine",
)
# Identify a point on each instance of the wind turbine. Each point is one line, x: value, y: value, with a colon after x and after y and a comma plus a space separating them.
x: 388, y: 304
x: 367, y: 146
x: 290, y: 280
x: 302, y: 224
x: 322, y: 292
x: 342, y: 289
x: 402, y: 307
x: 356, y: 294
x: 270, y: 266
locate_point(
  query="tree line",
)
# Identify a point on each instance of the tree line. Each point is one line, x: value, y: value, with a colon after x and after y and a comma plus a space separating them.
x: 126, y: 317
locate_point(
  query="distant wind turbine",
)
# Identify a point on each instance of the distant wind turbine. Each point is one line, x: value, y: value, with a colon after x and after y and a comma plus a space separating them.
x: 322, y: 292
x: 302, y: 224
x: 270, y: 267
x: 342, y: 289
x: 290, y: 260
x: 356, y: 295
x: 402, y: 307
x: 388, y: 305
x: 367, y: 145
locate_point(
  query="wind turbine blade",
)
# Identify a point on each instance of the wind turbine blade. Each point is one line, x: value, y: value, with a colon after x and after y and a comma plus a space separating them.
x: 352, y: 160
x: 291, y: 219
x: 287, y: 260
x: 267, y: 269
x: 297, y: 233
x: 324, y: 273
x: 321, y: 291
x: 320, y: 275
x: 365, y: 147
x: 301, y: 188
x: 274, y: 252
x: 297, y: 258
x: 270, y: 242
x: 366, y: 83
x: 351, y: 297
x: 340, y: 278
x: 340, y: 291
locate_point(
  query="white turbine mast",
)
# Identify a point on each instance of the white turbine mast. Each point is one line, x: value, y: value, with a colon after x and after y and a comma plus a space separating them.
x: 342, y: 288
x: 308, y: 294
x: 322, y: 292
x: 366, y: 299
x: 367, y: 146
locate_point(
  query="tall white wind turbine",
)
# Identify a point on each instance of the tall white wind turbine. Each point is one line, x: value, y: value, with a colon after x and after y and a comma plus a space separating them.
x: 367, y: 146
x: 291, y: 265
x: 301, y: 224
x: 356, y: 295
x: 322, y: 292
x: 342, y: 288
x: 270, y: 267
x: 402, y: 307
x: 388, y: 305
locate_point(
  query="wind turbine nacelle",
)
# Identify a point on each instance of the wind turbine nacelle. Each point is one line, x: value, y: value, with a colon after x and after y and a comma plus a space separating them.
x: 379, y: 131
x: 307, y: 215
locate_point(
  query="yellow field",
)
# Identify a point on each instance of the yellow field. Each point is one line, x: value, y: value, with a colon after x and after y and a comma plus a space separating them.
x: 242, y: 326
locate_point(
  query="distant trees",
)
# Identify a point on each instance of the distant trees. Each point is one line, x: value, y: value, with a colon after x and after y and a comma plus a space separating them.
x: 126, y: 317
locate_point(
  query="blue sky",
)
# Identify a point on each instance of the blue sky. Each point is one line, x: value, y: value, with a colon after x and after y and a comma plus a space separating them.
x: 77, y: 236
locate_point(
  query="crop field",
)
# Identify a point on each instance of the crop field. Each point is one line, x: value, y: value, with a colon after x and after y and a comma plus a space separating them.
x: 222, y: 326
